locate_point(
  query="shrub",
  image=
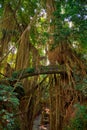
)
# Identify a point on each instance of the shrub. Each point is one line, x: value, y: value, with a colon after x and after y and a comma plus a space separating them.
x: 80, y: 120
x: 8, y: 107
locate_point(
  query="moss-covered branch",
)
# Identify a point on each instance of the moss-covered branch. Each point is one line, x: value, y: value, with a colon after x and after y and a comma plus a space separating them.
x: 38, y: 71
x: 28, y: 72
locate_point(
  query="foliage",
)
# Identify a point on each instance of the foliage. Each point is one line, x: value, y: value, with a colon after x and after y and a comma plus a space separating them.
x: 19, y: 89
x: 81, y: 84
x: 8, y: 105
x: 79, y: 122
x: 70, y: 20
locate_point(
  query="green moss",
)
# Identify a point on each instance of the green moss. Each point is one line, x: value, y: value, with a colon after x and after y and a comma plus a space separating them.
x: 29, y: 70
x: 16, y: 74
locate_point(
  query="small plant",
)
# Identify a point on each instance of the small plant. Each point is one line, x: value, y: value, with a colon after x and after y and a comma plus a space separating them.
x: 8, y: 107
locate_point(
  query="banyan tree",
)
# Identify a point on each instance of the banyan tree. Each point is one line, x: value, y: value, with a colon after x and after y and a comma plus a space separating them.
x: 43, y: 58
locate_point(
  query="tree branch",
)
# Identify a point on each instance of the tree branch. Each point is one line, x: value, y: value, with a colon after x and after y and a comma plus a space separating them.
x: 28, y: 72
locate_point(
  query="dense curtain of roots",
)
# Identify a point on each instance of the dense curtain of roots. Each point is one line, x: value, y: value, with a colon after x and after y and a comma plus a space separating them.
x: 7, y: 26
x: 63, y: 92
x: 26, y: 52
